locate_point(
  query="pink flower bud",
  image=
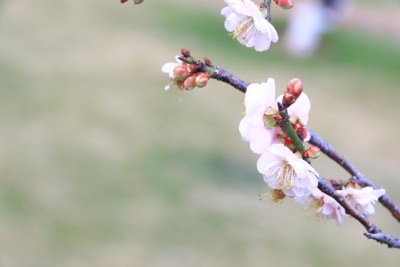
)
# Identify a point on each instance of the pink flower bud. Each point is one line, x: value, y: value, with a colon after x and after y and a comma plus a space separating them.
x: 301, y: 131
x: 312, y: 152
x: 202, y: 79
x: 295, y: 87
x: 185, y: 52
x: 190, y: 82
x: 181, y: 72
x: 288, y: 99
x: 285, y: 4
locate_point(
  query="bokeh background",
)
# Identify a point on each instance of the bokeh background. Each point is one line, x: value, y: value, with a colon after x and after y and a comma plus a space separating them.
x: 99, y: 166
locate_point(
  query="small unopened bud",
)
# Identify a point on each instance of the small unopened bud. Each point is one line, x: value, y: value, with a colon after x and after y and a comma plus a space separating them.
x: 285, y: 4
x: 301, y: 131
x: 295, y: 87
x: 289, y: 143
x: 312, y: 152
x: 181, y: 72
x: 190, y: 82
x: 123, y: 1
x: 185, y: 52
x: 201, y: 79
x: 288, y: 99
x: 208, y: 62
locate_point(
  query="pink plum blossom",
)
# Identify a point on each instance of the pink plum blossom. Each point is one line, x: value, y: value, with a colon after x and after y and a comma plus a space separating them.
x: 248, y: 25
x: 362, y: 199
x: 259, y: 101
x: 282, y: 169
x: 326, y: 206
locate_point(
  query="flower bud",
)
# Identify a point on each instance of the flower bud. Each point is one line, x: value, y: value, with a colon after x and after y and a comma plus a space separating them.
x: 295, y: 87
x: 301, y: 131
x: 285, y: 4
x: 312, y: 152
x: 288, y: 99
x: 201, y: 79
x: 123, y: 1
x: 208, y: 62
x: 190, y: 82
x: 181, y: 72
x: 185, y: 52
x: 289, y: 143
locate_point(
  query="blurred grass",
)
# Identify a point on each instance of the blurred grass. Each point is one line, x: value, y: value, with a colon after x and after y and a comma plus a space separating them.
x: 101, y: 167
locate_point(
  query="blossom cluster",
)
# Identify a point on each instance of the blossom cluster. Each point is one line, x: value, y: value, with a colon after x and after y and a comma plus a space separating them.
x: 285, y: 169
x: 274, y: 127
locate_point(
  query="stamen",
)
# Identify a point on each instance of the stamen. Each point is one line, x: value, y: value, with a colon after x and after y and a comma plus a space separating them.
x: 285, y: 176
x: 245, y: 26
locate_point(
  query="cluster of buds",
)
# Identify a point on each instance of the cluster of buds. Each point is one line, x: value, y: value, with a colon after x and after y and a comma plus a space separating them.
x: 189, y: 73
x: 187, y: 77
x: 285, y: 4
x: 293, y: 91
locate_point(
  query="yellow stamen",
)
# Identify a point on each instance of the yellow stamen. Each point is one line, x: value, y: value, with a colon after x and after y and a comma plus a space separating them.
x: 242, y: 30
x: 285, y: 176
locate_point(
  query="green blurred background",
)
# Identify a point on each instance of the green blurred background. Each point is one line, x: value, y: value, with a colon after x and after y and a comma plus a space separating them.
x: 101, y: 167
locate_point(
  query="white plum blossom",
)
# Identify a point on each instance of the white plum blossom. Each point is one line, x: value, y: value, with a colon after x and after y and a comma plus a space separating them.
x: 362, y: 199
x: 284, y: 170
x: 247, y: 24
x: 326, y: 206
x: 260, y: 101
x: 169, y: 69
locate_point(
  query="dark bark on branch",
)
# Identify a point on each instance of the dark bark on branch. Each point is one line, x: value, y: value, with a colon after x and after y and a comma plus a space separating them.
x: 390, y: 241
x: 222, y: 75
x: 373, y: 232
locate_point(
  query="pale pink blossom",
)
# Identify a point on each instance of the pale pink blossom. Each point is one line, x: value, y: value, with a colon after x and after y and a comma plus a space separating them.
x: 282, y: 169
x: 247, y: 24
x: 362, y: 199
x: 326, y: 206
x: 260, y: 101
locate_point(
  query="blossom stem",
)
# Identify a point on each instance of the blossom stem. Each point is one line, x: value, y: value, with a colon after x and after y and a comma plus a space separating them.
x: 267, y: 5
x: 287, y: 127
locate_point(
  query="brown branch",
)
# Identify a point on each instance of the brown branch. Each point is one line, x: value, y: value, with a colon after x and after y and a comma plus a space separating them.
x: 358, y: 177
x: 373, y: 232
x: 224, y: 76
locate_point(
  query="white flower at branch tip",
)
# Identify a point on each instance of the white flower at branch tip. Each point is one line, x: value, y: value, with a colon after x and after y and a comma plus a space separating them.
x: 169, y: 69
x: 282, y: 169
x: 362, y: 199
x: 259, y: 100
x: 326, y: 206
x: 247, y: 24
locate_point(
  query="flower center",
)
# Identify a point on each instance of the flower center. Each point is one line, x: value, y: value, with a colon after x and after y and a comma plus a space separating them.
x: 285, y: 176
x: 244, y: 27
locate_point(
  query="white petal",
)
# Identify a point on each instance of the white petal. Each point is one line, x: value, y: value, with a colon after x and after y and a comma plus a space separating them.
x: 266, y: 161
x: 301, y: 108
x: 260, y: 140
x: 261, y: 42
x: 169, y: 68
